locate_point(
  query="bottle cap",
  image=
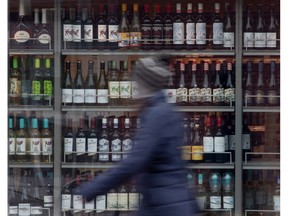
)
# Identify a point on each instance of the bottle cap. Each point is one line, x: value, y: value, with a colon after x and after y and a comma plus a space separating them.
x: 124, y: 7
x: 15, y: 63
x: 168, y: 8
x: 34, y: 123
x: 45, y: 123
x: 10, y: 123
x: 135, y: 7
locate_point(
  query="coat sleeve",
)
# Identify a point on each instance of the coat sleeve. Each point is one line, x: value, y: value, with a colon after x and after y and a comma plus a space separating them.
x: 147, y: 139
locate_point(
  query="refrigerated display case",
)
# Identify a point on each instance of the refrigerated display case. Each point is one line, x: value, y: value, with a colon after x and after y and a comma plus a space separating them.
x: 70, y: 96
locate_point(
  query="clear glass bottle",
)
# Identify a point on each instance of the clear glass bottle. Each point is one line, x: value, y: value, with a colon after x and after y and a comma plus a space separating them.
x: 125, y: 85
x: 228, y: 190
x: 78, y: 86
x: 15, y: 83
x: 44, y: 36
x: 229, y: 29
x: 102, y: 86
x: 12, y: 139
x: 249, y: 29
x: 47, y: 140
x: 135, y: 29
x: 124, y: 31
x: 215, y: 196
x: 201, y: 192
x: 197, y: 143
x: 37, y: 83
x: 90, y: 85
x: 35, y: 141
x: 67, y: 89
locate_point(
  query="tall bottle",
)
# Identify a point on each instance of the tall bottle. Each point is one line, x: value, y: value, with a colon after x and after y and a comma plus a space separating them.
x: 178, y: 29
x: 228, y: 190
x: 21, y: 31
x: 228, y: 29
x: 135, y: 29
x: 77, y: 28
x: 219, y: 142
x: 201, y: 193
x: 102, y: 29
x: 194, y: 90
x: 37, y: 25
x: 186, y: 151
x: 13, y: 199
x: 113, y: 27
x: 24, y: 204
x: 260, y: 31
x: 218, y: 88
x: 100, y: 200
x: 197, y: 142
x: 272, y: 34
x: 48, y: 197
x: 78, y: 86
x: 92, y: 141
x: 181, y: 90
x: 215, y: 197
x: 157, y: 29
x: 217, y: 28
x: 249, y: 31
x: 25, y: 82
x: 102, y: 86
x: 125, y: 85
x: 77, y: 199
x: 124, y: 31
x: 90, y: 86
x: 126, y: 142
x: 35, y: 141
x: 208, y: 142
x: 276, y: 195
x: 133, y: 197
x: 190, y: 28
x: 67, y: 29
x: 22, y: 144
x: 80, y: 140
x: 67, y: 89
x: 12, y: 139
x: 48, y: 83
x: 47, y: 140
x: 229, y: 91
x: 168, y: 28
x: 69, y: 142
x: 248, y: 88
x: 44, y: 36
x: 103, y: 143
x: 115, y: 142
x: 37, y: 83
x: 246, y: 138
x: 260, y: 88
x: 89, y: 206
x: 200, y: 29
x: 89, y: 29
x: 66, y: 196
x: 15, y: 83
x: 206, y: 90
x: 122, y: 197
x: 272, y: 92
x: 114, y: 84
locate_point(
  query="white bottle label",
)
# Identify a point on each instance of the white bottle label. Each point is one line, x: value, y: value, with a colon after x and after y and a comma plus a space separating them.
x: 102, y: 33
x: 190, y: 33
x: 21, y: 36
x: 271, y: 39
x: 200, y: 33
x: 21, y: 146
x: 276, y: 200
x: 133, y: 201
x: 228, y: 202
x: 181, y: 95
x: 218, y: 95
x: 44, y: 38
x: 24, y: 209
x: 114, y: 89
x: 246, y: 139
x: 122, y: 201
x: 208, y: 144
x: 134, y: 89
x: 78, y: 95
x: 90, y: 95
x: 47, y: 146
x: 229, y: 95
x: 67, y: 95
x: 103, y: 147
x: 248, y: 39
x: 88, y: 33
x: 116, y: 147
x: 125, y: 89
x: 260, y: 39
x: 80, y: 145
x: 206, y: 95
x: 201, y: 200
x: 89, y: 206
x: 113, y: 33
x: 36, y: 210
x: 35, y: 146
x: 48, y: 201
x: 13, y: 210
x: 219, y: 144
x: 76, y: 33
x: 66, y: 202
x: 112, y: 202
x: 178, y: 33
x: 68, y: 146
x: 260, y: 97
x: 12, y: 146
x: 77, y: 203
x: 100, y: 203
x: 126, y: 146
x: 170, y: 95
x: 67, y: 32
x: 194, y: 95
x: 229, y: 40
x: 102, y: 96
x: 218, y: 33
x: 232, y: 142
x: 215, y: 202
x: 92, y: 146
x: 272, y: 99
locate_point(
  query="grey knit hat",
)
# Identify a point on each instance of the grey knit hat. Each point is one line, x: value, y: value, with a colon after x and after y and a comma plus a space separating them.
x: 151, y: 74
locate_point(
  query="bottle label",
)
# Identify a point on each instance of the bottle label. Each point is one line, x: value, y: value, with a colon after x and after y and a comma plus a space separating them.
x: 48, y: 89
x: 219, y: 144
x: 194, y: 95
x: 248, y: 98
x: 190, y: 33
x: 218, y: 33
x: 276, y: 200
x: 102, y: 33
x: 77, y: 203
x: 215, y: 202
x: 246, y: 139
x: 76, y: 33
x: 218, y: 95
x: 232, y: 142
x: 146, y: 30
x: 157, y: 33
x: 21, y: 36
x: 24, y: 209
x: 170, y: 95
x: 248, y: 39
x: 201, y: 200
x: 112, y: 202
x: 135, y: 38
x: 181, y: 95
x: 116, y: 147
x: 126, y: 146
x: 272, y: 97
x: 67, y: 95
x: 123, y: 39
x: 21, y: 146
x: 88, y: 33
x: 134, y: 89
x: 133, y: 201
x: 35, y: 146
x: 168, y: 33
x: 206, y: 95
x: 271, y: 39
x: 90, y: 95
x: 47, y: 146
x: 48, y: 201
x: 186, y: 153
x: 102, y: 96
x: 229, y: 40
x: 228, y: 202
x: 122, y: 201
x: 125, y: 89
x: 44, y: 39
x: 200, y: 33
x: 89, y: 206
x: 36, y: 90
x: 92, y: 146
x: 100, y: 203
x: 66, y: 202
x: 15, y: 87
x: 114, y: 89
x: 67, y: 32
x: 103, y: 147
x: 68, y: 146
x: 197, y: 152
x: 178, y: 33
x: 78, y: 95
x: 229, y: 95
x: 36, y: 210
x: 208, y: 144
x: 12, y: 146
x: 259, y: 97
x: 113, y: 33
x: 260, y: 39
x: 80, y: 146
x: 13, y: 210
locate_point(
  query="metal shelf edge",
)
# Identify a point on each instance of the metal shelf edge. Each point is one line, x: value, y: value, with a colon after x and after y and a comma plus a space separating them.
x: 31, y: 165
x: 270, y: 165
x: 30, y: 52
x: 261, y: 109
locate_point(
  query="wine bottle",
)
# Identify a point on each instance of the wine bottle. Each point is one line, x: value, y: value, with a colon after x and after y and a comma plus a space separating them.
x: 125, y: 85
x: 102, y: 86
x: 246, y: 138
x: 205, y: 90
x: 77, y: 199
x: 13, y: 199
x: 135, y: 29
x: 260, y: 88
x: 229, y: 91
x: 113, y: 28
x: 178, y: 29
x: 92, y: 141
x: 201, y: 193
x: 115, y: 142
x: 249, y: 29
x: 228, y: 190
x: 48, y: 83
x: 15, y: 83
x: 37, y: 83
x: 248, y: 88
x: 218, y: 88
x: 215, y: 190
x: 89, y: 206
x: 104, y: 144
x: 208, y: 142
x: 77, y: 28
x: 37, y: 25
x: 102, y: 28
x: 12, y: 139
x: 78, y: 86
x: 228, y: 29
x: 181, y: 90
x: 200, y: 28
x: 80, y: 140
x: 146, y: 29
x: 44, y: 36
x: 217, y: 28
x: 197, y: 143
x: 122, y: 198
x: 168, y: 28
x: 186, y: 149
x: 69, y: 142
x: 272, y: 92
x: 67, y: 89
x: 194, y: 90
x: 260, y: 33
x: 89, y: 29
x: 35, y: 141
x: 157, y: 29
x: 113, y: 84
x: 22, y: 144
x: 170, y: 89
x: 124, y: 31
x: 48, y: 197
x: 219, y: 142
x: 190, y: 28
x: 24, y: 204
x: 133, y: 198
x: 90, y: 87
x: 271, y: 34
x: 47, y: 139
x: 276, y: 195
x: 66, y: 196
x: 25, y: 81
x: 112, y: 199
x: 67, y: 29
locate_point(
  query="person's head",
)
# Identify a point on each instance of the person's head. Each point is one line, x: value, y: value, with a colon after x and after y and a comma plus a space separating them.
x: 151, y: 75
